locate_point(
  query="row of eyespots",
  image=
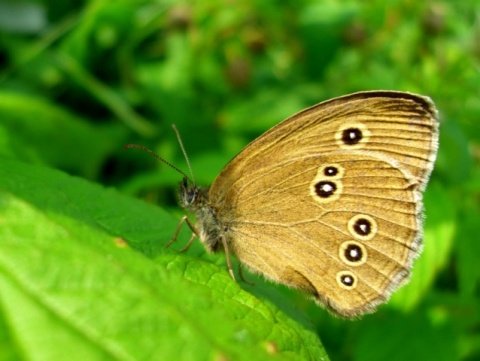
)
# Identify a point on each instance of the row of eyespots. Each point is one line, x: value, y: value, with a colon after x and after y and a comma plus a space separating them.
x: 327, y: 187
x: 353, y: 253
x: 362, y: 227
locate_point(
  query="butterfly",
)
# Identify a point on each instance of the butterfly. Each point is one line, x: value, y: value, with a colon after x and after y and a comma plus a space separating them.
x: 328, y: 201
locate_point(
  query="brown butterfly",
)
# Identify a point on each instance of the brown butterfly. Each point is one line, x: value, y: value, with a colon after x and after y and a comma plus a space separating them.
x: 329, y: 201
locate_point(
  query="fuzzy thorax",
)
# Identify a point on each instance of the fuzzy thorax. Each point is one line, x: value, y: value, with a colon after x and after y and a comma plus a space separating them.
x: 195, y: 199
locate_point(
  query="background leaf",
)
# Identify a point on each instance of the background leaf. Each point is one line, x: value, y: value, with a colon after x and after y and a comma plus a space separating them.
x: 66, y: 270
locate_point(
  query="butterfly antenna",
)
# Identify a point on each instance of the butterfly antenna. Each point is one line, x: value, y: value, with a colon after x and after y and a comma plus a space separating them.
x: 142, y: 147
x: 184, y: 152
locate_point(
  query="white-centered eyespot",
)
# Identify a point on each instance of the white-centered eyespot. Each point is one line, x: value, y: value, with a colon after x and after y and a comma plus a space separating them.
x: 325, y: 191
x: 352, y: 253
x: 330, y: 171
x: 362, y: 227
x: 352, y: 135
x: 347, y: 280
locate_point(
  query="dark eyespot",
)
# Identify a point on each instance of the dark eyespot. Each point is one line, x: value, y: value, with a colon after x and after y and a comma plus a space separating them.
x: 325, y: 189
x: 352, y: 136
x: 347, y: 280
x: 330, y: 171
x: 362, y: 227
x: 353, y: 253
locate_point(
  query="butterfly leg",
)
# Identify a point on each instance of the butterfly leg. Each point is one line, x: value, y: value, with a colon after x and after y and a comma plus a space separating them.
x: 177, y: 230
x: 227, y: 256
x: 189, y: 243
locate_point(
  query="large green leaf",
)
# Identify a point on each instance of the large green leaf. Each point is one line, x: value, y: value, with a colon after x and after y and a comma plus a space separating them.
x: 84, y: 276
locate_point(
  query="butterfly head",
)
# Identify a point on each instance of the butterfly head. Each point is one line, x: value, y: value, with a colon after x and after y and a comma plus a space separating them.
x: 191, y: 196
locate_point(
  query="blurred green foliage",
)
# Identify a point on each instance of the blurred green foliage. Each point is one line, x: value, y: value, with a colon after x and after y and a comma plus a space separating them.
x: 79, y: 79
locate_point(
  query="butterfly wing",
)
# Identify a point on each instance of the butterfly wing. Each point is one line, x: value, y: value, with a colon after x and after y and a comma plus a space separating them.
x: 329, y: 200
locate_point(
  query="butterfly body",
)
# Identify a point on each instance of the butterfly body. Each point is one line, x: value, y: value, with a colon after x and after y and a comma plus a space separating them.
x: 329, y: 200
x: 195, y: 199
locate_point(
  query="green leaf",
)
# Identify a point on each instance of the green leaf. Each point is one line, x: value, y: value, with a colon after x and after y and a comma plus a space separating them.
x: 400, y: 345
x: 84, y: 276
x: 35, y: 130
